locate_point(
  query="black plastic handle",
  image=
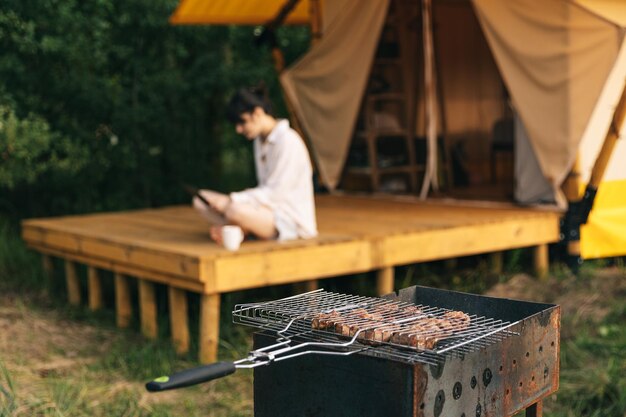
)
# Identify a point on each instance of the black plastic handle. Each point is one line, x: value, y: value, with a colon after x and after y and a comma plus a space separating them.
x: 191, y: 376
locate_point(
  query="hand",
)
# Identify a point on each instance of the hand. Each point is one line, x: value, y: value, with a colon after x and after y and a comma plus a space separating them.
x: 219, y: 202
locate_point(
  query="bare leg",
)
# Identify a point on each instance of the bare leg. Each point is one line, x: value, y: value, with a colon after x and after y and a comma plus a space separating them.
x: 257, y: 220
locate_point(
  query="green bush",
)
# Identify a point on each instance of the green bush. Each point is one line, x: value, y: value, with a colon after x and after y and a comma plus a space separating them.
x: 112, y: 107
x: 29, y: 150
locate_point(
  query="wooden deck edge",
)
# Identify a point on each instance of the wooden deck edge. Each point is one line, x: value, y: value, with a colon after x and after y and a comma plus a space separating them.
x: 462, y: 241
x: 127, y: 254
x: 450, y: 201
x: 119, y: 268
x: 291, y: 266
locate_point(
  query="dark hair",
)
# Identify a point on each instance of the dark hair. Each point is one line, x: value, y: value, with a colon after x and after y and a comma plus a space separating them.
x: 245, y: 100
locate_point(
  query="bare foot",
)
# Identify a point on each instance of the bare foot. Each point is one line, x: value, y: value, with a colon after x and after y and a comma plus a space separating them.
x: 216, y: 234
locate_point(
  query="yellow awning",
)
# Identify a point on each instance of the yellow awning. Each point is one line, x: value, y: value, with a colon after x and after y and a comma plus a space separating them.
x: 604, y: 235
x: 236, y: 12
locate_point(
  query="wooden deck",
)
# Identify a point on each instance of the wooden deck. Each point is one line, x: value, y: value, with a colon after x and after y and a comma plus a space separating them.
x: 171, y: 246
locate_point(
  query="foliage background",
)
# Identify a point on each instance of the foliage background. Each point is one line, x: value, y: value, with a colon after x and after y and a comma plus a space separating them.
x: 105, y: 106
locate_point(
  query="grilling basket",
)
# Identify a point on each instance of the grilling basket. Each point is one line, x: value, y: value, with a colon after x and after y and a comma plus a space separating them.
x: 396, y: 327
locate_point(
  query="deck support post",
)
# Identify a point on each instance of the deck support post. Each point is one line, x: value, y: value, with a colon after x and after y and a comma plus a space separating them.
x: 384, y: 280
x: 46, y: 262
x: 48, y: 269
x: 496, y: 262
x: 209, y: 327
x: 148, y: 310
x: 95, y: 289
x: 178, y: 319
x: 541, y: 260
x: 123, y: 305
x: 73, y: 286
x: 306, y: 286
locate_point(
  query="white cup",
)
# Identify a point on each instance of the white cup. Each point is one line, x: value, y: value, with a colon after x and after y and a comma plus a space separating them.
x: 232, y: 236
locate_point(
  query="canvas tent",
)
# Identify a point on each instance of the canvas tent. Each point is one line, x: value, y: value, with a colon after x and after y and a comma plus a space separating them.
x: 563, y: 63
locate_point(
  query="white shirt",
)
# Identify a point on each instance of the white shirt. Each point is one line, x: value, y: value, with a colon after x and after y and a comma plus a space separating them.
x: 285, y: 179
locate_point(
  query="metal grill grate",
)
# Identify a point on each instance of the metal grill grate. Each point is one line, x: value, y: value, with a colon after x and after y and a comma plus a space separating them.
x: 292, y: 320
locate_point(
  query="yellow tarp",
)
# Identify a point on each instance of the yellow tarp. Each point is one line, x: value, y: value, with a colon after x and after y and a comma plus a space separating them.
x: 604, y: 235
x: 236, y: 12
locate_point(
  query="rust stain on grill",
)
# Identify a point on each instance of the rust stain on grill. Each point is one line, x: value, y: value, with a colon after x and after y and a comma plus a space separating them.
x: 420, y: 382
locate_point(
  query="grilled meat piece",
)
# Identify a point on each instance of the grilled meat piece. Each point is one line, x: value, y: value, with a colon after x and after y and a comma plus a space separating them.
x: 325, y: 320
x: 419, y: 337
x: 361, y: 313
x: 459, y: 319
x: 412, y: 310
x: 380, y: 334
x: 401, y: 325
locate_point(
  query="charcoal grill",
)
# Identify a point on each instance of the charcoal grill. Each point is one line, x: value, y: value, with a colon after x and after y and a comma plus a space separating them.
x: 502, y: 360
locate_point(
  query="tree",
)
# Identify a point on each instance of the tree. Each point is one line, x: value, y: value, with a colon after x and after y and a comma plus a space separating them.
x: 112, y: 106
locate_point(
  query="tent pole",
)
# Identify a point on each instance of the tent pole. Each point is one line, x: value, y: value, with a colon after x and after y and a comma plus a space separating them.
x: 602, y: 161
x: 599, y: 167
x: 578, y: 213
x: 571, y: 185
x: 315, y: 11
x: 430, y: 174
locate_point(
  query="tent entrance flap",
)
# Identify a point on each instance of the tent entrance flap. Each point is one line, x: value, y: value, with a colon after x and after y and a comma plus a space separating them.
x: 555, y: 58
x: 327, y: 84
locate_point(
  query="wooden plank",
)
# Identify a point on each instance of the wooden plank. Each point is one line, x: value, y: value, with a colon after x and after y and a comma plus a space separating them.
x: 469, y: 240
x: 95, y: 289
x: 541, y: 260
x: 209, y: 327
x: 73, y: 285
x: 385, y: 281
x: 135, y: 253
x: 178, y: 282
x: 178, y: 319
x: 148, y: 309
x: 169, y: 235
x: 253, y: 270
x: 123, y: 304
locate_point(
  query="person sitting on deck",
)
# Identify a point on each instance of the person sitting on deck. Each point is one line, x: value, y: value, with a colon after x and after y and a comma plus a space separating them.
x: 282, y: 205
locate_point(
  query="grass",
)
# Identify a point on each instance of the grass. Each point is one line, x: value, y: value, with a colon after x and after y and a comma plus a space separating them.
x: 72, y: 362
x: 593, y: 368
x: 69, y: 362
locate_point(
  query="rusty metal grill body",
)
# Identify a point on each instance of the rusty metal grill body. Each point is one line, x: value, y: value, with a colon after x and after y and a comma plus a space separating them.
x: 494, y: 375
